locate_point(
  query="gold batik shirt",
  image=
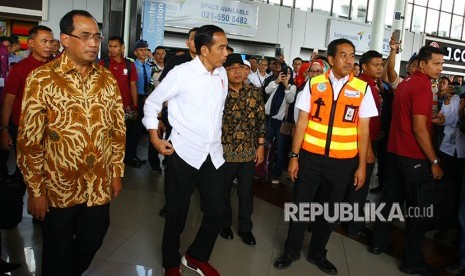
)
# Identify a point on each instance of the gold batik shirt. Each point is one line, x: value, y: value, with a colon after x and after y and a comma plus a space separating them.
x: 243, y: 123
x: 71, y: 135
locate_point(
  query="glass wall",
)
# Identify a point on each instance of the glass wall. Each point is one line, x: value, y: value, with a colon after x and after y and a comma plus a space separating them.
x: 442, y: 18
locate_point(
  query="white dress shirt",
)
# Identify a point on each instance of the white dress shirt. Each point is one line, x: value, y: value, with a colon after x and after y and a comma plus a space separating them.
x: 367, y: 107
x: 195, y: 102
x: 453, y: 140
x: 289, y: 95
x: 257, y: 79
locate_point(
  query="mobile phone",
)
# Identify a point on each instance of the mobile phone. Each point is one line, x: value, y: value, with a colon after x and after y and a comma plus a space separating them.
x: 315, y: 51
x: 396, y: 35
x: 284, y: 70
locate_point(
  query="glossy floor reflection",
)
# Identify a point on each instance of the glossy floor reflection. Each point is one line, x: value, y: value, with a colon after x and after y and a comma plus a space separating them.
x: 133, y: 243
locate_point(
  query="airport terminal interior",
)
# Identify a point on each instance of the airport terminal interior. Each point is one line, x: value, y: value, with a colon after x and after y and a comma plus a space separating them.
x: 132, y: 246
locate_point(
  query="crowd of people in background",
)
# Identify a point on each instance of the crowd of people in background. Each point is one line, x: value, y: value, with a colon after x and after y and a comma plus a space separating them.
x: 213, y: 117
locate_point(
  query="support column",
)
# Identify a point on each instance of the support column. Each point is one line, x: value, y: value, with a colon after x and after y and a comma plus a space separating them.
x: 399, y: 24
x: 127, y: 20
x: 377, y: 29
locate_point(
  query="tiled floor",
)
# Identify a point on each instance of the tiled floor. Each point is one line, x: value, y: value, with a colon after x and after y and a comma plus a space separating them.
x: 132, y: 245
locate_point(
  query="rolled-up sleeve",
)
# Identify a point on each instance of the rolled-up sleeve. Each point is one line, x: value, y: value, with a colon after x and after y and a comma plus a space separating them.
x: 166, y: 90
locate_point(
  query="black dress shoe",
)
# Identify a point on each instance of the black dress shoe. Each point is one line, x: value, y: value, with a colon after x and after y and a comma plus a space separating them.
x: 377, y: 189
x: 284, y: 261
x: 157, y: 169
x: 226, y: 233
x: 424, y: 270
x: 7, y: 267
x: 142, y: 162
x: 133, y: 163
x: 162, y: 211
x: 375, y: 250
x: 455, y: 269
x: 247, y: 238
x: 324, y: 265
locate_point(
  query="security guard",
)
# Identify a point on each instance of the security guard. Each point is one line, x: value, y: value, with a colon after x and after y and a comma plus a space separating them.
x: 333, y: 131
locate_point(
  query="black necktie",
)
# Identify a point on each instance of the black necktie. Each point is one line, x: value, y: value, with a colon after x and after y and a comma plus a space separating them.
x: 146, y: 81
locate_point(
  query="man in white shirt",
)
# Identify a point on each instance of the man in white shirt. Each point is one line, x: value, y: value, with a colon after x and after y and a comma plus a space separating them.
x: 258, y: 77
x: 196, y: 93
x: 332, y: 129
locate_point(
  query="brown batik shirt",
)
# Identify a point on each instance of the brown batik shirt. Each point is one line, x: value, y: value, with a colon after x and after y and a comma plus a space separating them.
x: 243, y: 123
x: 71, y: 135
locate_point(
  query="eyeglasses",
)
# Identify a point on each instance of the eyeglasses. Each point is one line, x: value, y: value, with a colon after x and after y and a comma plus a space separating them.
x: 235, y: 68
x: 87, y: 37
x: 315, y: 71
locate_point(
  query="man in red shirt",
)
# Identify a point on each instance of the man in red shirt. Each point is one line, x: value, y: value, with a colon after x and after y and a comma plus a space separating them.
x: 371, y: 64
x: 411, y: 157
x: 126, y: 79
x: 40, y: 42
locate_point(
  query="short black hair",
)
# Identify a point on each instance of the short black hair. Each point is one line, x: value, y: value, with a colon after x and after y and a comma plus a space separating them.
x: 14, y: 39
x: 204, y: 36
x: 332, y: 46
x: 445, y: 78
x: 116, y: 37
x: 67, y: 21
x: 367, y: 56
x: 5, y: 38
x: 426, y: 53
x: 159, y: 48
x: 252, y: 57
x: 229, y: 48
x: 195, y: 29
x: 35, y: 30
x: 297, y: 58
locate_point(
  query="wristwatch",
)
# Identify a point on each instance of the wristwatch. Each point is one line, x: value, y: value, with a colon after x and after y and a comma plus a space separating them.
x: 435, y: 162
x: 293, y: 155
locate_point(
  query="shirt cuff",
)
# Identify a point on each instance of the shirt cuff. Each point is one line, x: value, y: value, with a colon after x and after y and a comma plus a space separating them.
x: 150, y: 123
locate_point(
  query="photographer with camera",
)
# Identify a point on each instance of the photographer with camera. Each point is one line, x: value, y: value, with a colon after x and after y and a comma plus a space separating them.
x: 281, y: 90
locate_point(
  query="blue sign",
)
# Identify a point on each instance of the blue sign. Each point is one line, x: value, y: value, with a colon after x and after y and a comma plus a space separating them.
x: 153, y: 23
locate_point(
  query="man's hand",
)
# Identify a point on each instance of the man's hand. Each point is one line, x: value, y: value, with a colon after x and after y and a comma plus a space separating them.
x: 359, y: 177
x: 6, y: 143
x: 259, y: 155
x: 164, y: 147
x: 293, y: 168
x: 438, y: 118
x: 370, y: 156
x: 116, y: 186
x: 37, y: 207
x: 161, y: 129
x: 437, y: 172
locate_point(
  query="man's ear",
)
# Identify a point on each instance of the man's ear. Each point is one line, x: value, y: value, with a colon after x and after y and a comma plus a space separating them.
x: 64, y: 38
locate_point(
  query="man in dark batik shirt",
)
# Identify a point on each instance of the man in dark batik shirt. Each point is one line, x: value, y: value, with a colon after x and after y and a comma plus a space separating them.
x: 243, y: 139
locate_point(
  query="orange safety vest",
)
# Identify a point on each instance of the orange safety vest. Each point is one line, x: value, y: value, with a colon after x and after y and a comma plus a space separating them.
x: 332, y: 125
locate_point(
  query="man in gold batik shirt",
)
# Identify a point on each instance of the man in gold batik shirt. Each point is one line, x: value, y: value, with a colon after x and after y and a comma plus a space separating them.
x: 71, y: 142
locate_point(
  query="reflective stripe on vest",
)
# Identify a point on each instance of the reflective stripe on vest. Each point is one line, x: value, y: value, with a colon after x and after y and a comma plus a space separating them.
x: 332, y: 126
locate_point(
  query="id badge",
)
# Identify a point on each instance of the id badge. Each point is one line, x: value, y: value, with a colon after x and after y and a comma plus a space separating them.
x: 2, y: 82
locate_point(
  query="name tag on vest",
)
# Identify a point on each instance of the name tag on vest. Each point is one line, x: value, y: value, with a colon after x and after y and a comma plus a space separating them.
x: 352, y: 94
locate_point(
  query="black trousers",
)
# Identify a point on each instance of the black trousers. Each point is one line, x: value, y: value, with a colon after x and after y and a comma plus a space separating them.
x: 360, y: 196
x: 152, y: 153
x: 132, y: 139
x: 244, y: 172
x: 71, y: 237
x: 326, y: 179
x: 182, y: 179
x: 403, y: 175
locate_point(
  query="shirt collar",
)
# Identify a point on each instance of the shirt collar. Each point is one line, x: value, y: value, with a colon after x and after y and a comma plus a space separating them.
x: 200, y: 69
x: 333, y: 78
x: 366, y: 78
x: 67, y: 65
x: 421, y: 74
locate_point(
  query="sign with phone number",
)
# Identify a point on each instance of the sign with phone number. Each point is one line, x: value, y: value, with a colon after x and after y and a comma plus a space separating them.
x: 233, y: 17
